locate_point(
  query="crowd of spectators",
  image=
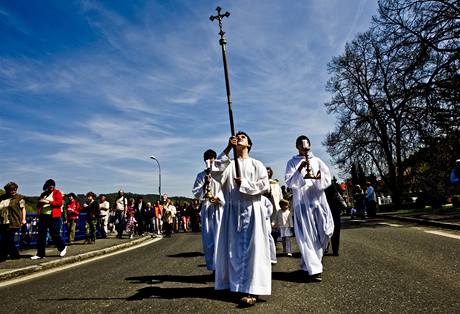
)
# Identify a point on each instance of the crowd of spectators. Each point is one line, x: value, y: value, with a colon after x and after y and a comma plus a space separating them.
x: 132, y: 216
x: 66, y: 217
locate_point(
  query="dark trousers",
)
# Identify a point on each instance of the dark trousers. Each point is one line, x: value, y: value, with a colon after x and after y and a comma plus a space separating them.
x: 371, y: 208
x: 140, y: 226
x: 120, y: 217
x: 53, y: 225
x: 7, y: 245
x: 168, y: 229
x: 101, y: 221
x: 335, y: 240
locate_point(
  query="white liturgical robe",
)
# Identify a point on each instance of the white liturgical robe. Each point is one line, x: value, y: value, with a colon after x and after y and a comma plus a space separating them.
x: 243, y: 249
x: 211, y: 214
x: 313, y: 224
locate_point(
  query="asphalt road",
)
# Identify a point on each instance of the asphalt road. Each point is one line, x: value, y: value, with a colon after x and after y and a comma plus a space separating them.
x: 382, y: 268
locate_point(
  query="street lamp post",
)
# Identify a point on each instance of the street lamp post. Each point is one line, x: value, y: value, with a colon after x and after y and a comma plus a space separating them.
x: 159, y: 176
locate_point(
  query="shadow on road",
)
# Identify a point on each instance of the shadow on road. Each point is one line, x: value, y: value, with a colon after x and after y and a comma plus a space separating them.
x: 179, y: 293
x: 203, y: 279
x: 169, y: 294
x: 294, y: 276
x: 187, y: 254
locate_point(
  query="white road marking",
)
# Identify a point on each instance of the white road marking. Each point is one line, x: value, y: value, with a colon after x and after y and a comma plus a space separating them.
x: 53, y: 270
x: 444, y: 234
x: 389, y: 224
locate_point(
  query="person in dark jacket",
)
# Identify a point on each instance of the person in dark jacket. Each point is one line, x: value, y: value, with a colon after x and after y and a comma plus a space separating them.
x: 13, y: 216
x: 360, y: 202
x: 140, y: 214
x: 337, y: 205
x: 92, y: 214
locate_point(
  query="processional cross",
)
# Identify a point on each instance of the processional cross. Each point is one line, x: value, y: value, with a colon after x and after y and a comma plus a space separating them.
x: 222, y: 43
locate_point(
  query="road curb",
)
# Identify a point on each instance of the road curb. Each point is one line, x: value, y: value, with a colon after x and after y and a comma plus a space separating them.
x: 8, y: 275
x: 427, y: 222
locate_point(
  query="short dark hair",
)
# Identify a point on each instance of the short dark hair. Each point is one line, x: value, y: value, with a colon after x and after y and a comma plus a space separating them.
x: 73, y: 195
x: 283, y: 202
x: 48, y: 183
x: 209, y: 154
x: 299, y: 140
x: 269, y: 169
x: 249, y: 139
x: 10, y: 186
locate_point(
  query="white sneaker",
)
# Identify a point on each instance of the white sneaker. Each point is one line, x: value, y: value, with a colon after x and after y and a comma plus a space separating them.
x: 36, y: 257
x: 63, y: 252
x: 289, y: 254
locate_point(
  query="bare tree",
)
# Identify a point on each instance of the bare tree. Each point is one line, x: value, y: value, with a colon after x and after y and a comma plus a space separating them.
x: 429, y: 30
x: 373, y: 110
x: 395, y: 87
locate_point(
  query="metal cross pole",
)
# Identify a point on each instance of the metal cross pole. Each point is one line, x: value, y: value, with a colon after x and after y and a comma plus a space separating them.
x: 222, y: 43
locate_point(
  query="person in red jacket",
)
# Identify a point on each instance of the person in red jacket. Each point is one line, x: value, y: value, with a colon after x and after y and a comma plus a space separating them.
x: 73, y: 211
x: 49, y: 218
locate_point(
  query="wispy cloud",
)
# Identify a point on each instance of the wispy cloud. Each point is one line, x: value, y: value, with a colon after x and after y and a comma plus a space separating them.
x: 148, y: 79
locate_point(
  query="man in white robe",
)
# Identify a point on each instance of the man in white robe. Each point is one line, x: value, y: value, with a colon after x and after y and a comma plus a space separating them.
x: 275, y: 194
x: 211, y: 208
x: 243, y: 250
x: 313, y: 223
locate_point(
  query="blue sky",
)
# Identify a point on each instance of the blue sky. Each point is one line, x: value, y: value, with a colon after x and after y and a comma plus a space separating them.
x: 90, y: 89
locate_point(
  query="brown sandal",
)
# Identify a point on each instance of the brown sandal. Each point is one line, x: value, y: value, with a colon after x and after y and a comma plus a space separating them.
x: 248, y: 300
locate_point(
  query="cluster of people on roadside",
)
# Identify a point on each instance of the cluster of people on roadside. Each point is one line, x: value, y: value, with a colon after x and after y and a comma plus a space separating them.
x: 365, y: 203
x: 130, y: 216
x: 244, y: 212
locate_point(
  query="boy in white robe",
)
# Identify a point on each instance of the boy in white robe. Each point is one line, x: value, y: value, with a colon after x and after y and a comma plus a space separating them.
x: 243, y: 250
x: 284, y: 223
x: 313, y: 223
x: 211, y: 208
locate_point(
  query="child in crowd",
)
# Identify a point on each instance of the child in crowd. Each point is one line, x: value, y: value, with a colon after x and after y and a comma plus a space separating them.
x: 283, y: 221
x: 131, y: 224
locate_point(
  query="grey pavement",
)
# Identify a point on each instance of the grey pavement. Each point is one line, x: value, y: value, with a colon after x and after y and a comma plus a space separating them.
x: 383, y: 267
x: 78, y: 251
x: 442, y: 219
